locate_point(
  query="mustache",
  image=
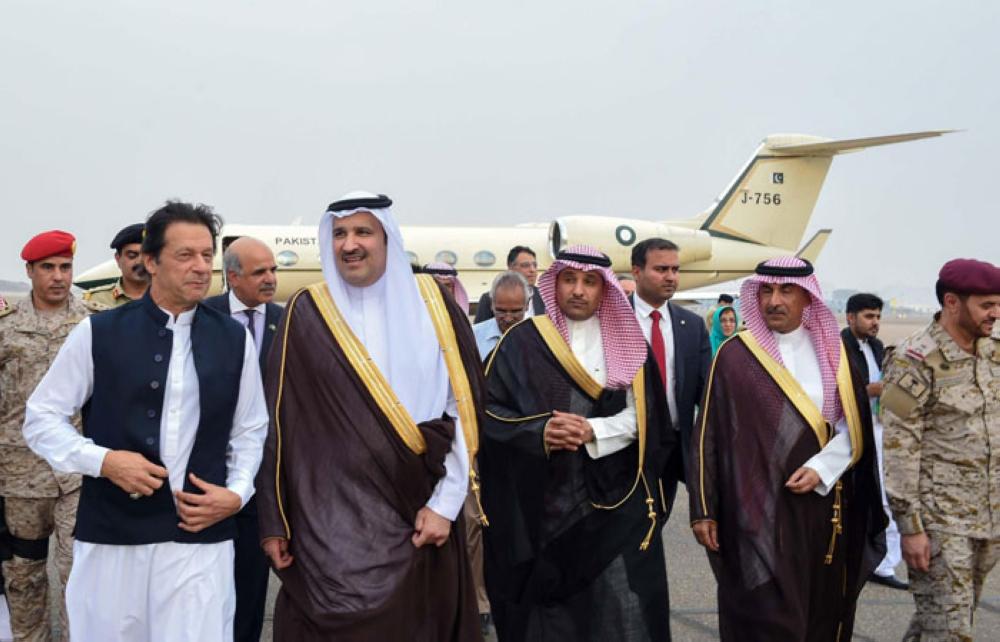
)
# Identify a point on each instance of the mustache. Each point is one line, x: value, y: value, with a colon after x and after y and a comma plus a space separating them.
x: 354, y: 254
x: 775, y: 309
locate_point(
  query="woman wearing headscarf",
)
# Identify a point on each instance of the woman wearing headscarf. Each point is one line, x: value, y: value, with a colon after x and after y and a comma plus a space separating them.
x: 725, y: 321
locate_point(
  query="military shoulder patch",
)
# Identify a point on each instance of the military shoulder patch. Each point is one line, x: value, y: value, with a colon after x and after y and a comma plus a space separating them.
x: 898, y: 400
x: 7, y: 308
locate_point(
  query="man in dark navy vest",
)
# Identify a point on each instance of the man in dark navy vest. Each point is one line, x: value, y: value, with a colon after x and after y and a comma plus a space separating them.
x: 173, y: 427
x: 251, y: 276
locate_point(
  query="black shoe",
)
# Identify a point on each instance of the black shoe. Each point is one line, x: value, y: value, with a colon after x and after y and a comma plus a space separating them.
x: 891, y: 581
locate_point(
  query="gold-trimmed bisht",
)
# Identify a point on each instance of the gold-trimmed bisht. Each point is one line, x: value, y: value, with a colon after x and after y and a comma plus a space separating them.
x: 811, y: 413
x: 459, y: 378
x: 564, y: 355
x: 277, y: 414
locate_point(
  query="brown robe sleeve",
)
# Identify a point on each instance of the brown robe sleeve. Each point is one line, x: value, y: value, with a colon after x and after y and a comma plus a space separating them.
x: 269, y: 483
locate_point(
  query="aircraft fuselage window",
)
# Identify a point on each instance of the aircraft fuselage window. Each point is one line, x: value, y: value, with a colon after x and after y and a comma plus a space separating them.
x: 286, y: 258
x: 484, y: 258
x: 446, y: 256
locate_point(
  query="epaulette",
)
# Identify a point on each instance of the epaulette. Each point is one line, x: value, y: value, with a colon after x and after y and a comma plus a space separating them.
x: 100, y: 288
x: 93, y: 306
x: 6, y: 307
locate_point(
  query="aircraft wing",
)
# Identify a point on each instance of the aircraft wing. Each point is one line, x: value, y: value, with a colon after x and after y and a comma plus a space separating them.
x: 831, y: 147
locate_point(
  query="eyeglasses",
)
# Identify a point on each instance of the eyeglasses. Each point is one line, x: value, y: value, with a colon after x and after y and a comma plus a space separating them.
x: 508, y: 313
x: 527, y: 264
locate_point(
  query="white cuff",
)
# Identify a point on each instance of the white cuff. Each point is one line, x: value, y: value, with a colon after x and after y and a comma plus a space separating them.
x: 91, y: 459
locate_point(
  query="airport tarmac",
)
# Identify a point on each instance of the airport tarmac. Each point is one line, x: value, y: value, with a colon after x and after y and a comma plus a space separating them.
x: 883, y: 613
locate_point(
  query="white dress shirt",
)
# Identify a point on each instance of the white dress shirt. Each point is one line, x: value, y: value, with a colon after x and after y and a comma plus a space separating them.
x: 237, y: 310
x: 642, y: 312
x: 800, y: 360
x: 69, y: 383
x: 614, y: 433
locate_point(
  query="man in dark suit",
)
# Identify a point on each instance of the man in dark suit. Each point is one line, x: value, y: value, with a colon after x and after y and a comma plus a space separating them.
x: 678, y: 339
x: 520, y: 259
x: 866, y: 353
x: 250, y: 273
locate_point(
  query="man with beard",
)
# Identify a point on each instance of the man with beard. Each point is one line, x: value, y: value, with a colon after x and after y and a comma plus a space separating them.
x: 373, y: 387
x: 39, y: 502
x: 573, y: 446
x: 252, y: 279
x: 133, y: 282
x: 866, y: 352
x: 174, y: 421
x: 784, y: 483
x: 941, y: 411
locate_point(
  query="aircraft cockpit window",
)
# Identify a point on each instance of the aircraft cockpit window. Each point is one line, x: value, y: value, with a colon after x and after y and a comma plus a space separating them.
x: 484, y: 258
x: 446, y: 256
x: 286, y: 258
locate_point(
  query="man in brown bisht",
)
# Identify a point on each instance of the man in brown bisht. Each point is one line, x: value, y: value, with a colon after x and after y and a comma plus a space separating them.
x: 784, y: 482
x: 373, y: 385
x: 574, y: 444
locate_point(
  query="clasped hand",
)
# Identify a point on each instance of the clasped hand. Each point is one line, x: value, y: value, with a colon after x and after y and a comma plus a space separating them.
x: 566, y: 431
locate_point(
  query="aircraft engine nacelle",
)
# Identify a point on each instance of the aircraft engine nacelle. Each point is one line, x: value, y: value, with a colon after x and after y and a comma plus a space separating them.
x: 616, y: 236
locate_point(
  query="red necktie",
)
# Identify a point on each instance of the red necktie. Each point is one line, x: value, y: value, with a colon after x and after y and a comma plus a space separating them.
x: 656, y: 339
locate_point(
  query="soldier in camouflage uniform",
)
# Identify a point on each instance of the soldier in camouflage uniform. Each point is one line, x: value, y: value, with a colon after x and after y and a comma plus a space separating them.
x: 38, y: 501
x: 941, y: 413
x: 133, y: 282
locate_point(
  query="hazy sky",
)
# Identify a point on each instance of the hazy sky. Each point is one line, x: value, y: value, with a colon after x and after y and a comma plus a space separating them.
x: 469, y: 112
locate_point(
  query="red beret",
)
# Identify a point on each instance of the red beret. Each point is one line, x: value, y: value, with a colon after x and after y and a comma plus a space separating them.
x: 51, y: 243
x: 968, y: 276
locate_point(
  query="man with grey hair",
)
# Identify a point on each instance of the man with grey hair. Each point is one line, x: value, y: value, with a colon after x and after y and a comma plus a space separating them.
x: 509, y: 295
x: 252, y: 279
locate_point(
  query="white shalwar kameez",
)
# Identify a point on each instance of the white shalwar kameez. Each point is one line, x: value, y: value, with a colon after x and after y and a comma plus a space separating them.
x: 162, y: 592
x: 893, y: 553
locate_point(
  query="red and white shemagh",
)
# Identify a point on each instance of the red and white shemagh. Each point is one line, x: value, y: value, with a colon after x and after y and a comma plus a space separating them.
x: 624, y: 345
x: 817, y: 319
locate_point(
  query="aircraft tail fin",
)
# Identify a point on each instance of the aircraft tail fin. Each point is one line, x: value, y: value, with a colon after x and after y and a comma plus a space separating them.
x: 810, y: 251
x: 772, y: 199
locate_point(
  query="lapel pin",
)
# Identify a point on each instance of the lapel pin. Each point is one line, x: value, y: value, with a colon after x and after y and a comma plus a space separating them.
x: 272, y: 327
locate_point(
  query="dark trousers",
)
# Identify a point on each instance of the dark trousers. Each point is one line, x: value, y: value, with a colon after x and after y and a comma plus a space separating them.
x: 251, y: 574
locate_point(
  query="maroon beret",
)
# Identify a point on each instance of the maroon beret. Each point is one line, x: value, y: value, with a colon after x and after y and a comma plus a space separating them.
x: 968, y: 276
x: 46, y: 244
